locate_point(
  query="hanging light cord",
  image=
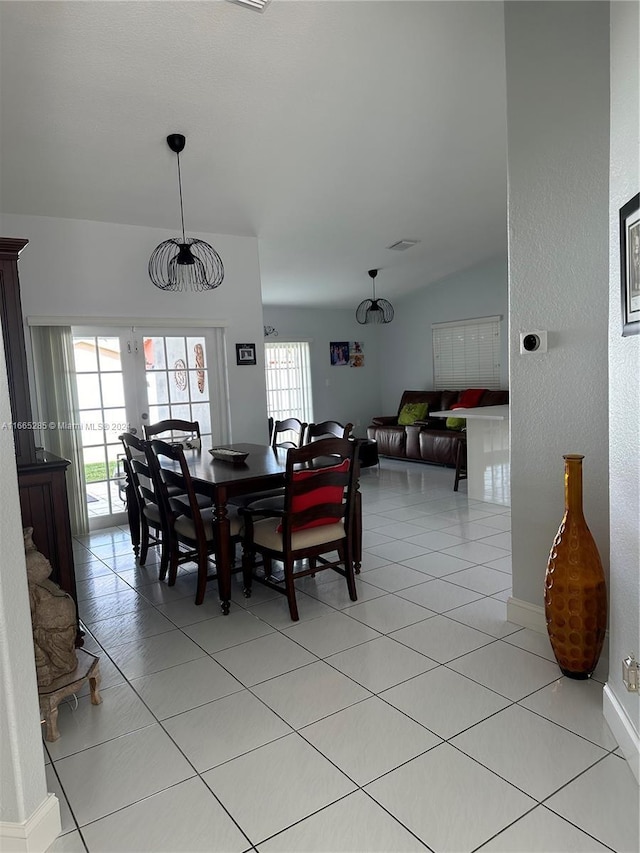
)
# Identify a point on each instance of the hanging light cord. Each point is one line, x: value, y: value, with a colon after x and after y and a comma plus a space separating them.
x: 184, y: 240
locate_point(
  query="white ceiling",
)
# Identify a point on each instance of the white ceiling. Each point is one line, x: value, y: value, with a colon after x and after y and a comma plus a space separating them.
x: 329, y: 130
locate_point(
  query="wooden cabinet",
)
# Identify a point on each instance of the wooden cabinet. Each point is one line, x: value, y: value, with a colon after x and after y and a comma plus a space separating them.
x: 44, y: 506
x: 14, y: 349
x: 41, y: 475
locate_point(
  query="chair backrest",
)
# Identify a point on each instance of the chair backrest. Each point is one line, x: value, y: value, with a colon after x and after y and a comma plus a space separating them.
x: 327, y: 429
x: 174, y: 473
x: 182, y: 432
x: 320, y: 481
x: 138, y: 469
x: 288, y: 433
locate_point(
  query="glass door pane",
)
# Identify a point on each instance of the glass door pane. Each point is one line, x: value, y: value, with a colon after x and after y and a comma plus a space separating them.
x: 177, y: 381
x: 103, y: 417
x: 127, y: 378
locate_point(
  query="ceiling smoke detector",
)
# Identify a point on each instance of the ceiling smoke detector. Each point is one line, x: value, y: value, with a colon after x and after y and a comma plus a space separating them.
x: 256, y: 5
x: 401, y: 245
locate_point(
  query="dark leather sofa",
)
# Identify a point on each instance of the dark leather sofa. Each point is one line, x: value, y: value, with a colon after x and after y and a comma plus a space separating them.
x: 427, y: 440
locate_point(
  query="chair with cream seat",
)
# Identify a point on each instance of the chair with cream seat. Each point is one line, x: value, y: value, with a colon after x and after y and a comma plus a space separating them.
x: 315, y: 520
x: 288, y: 433
x: 190, y: 524
x: 152, y: 527
x: 327, y: 429
x: 179, y: 431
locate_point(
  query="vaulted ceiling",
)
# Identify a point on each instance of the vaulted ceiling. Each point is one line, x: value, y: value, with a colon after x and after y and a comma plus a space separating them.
x: 328, y: 130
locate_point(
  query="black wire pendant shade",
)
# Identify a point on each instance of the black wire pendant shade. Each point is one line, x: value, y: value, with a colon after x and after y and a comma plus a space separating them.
x: 187, y: 263
x: 374, y: 310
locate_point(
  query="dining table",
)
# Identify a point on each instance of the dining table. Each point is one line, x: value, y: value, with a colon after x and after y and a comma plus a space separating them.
x: 221, y: 480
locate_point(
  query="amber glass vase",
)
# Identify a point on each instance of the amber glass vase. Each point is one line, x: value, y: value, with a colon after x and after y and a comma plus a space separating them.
x: 575, y: 594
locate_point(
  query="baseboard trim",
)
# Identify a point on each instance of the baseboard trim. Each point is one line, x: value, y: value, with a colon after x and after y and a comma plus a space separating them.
x: 526, y: 615
x: 36, y: 833
x: 623, y: 730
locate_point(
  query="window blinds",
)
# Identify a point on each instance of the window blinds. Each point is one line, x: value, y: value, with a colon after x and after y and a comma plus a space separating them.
x: 288, y: 378
x: 466, y: 354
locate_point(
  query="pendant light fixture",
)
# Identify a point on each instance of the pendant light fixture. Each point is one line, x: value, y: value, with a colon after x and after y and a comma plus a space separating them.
x: 374, y: 310
x: 187, y: 263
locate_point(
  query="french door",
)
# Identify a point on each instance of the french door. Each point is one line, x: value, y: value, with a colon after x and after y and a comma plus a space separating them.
x: 130, y: 377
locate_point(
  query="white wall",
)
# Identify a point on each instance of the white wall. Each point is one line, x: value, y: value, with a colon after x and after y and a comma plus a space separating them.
x: 345, y: 394
x: 75, y: 268
x: 407, y: 362
x: 624, y: 370
x: 558, y: 140
x: 22, y: 780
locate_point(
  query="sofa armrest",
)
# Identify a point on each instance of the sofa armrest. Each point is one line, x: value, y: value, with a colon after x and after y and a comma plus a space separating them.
x: 385, y: 420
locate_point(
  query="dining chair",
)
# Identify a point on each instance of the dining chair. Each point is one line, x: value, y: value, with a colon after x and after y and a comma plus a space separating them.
x: 284, y: 434
x: 182, y: 432
x: 288, y: 433
x: 149, y: 513
x: 327, y: 429
x: 190, y: 524
x: 317, y: 518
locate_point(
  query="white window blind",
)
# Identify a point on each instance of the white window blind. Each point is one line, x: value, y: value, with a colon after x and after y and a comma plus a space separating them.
x: 466, y: 354
x: 288, y: 377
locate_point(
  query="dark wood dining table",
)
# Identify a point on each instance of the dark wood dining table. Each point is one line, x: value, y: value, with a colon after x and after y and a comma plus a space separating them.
x: 263, y: 469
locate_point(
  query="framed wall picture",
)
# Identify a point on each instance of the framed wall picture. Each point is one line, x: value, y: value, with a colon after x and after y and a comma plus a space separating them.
x: 630, y: 266
x: 245, y: 353
x: 356, y: 354
x: 339, y: 353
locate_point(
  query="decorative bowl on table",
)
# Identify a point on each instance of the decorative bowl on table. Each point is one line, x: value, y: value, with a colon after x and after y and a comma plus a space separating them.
x: 226, y: 454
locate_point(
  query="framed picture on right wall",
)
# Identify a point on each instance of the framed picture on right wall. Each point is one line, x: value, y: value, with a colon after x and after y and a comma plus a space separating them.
x: 630, y: 266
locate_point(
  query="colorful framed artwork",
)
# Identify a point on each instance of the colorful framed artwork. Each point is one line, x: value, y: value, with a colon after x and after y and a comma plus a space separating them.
x: 339, y: 353
x: 630, y: 266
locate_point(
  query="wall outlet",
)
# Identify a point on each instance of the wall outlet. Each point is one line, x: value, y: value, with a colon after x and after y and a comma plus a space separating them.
x: 630, y: 674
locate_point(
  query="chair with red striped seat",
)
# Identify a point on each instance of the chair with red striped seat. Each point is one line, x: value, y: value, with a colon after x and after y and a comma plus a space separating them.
x: 316, y: 519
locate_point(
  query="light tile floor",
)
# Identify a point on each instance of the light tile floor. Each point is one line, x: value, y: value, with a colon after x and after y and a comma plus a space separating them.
x: 414, y: 719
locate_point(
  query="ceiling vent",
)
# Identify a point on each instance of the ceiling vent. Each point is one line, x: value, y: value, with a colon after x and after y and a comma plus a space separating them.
x: 401, y: 245
x: 256, y: 5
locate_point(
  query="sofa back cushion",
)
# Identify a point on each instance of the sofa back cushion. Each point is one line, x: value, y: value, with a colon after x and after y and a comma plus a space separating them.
x: 412, y: 412
x: 431, y: 398
x: 447, y: 399
x: 494, y: 398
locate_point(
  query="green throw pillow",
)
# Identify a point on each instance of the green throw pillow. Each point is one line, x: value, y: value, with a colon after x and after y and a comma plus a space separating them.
x: 412, y: 412
x: 456, y: 423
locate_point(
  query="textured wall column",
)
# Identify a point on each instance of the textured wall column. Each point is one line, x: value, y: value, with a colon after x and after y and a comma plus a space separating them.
x: 557, y: 64
x: 29, y: 817
x: 622, y: 709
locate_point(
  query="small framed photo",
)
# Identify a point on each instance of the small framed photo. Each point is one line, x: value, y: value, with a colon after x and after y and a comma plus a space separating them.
x: 245, y: 353
x: 630, y: 266
x: 339, y: 353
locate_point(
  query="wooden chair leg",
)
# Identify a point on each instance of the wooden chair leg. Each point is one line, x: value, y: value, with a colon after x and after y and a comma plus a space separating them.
x: 267, y: 566
x: 248, y: 564
x: 291, y: 590
x: 173, y: 561
x: 203, y: 570
x: 344, y: 552
x: 461, y: 464
x: 144, y: 541
x: 164, y: 560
